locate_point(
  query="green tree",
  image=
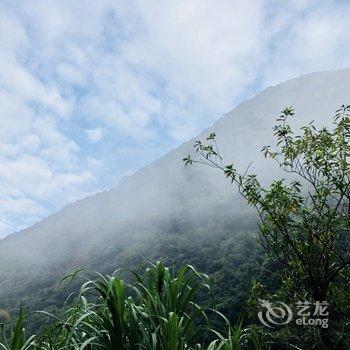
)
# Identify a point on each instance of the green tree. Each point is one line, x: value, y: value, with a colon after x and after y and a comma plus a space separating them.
x: 304, y: 221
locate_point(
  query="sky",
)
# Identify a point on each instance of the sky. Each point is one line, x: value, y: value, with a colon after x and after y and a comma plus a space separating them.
x: 92, y: 91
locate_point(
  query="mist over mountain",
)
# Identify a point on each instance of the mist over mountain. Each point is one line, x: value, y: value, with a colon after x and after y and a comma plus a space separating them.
x: 164, y: 198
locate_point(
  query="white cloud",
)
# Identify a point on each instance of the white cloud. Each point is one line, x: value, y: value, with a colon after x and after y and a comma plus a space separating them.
x: 201, y: 50
x: 70, y: 74
x: 21, y: 206
x: 313, y: 38
x: 94, y: 135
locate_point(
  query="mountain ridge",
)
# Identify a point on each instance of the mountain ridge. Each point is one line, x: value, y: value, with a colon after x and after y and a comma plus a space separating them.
x: 239, y: 118
x: 202, y: 134
x: 165, y: 199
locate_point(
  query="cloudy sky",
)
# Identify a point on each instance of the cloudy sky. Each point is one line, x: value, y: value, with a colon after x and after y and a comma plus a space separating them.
x: 91, y: 91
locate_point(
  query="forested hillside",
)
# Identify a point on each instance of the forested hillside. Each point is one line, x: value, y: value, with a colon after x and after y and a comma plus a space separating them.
x: 170, y: 212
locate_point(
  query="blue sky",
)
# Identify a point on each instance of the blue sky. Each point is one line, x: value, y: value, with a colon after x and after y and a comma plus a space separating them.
x: 91, y: 91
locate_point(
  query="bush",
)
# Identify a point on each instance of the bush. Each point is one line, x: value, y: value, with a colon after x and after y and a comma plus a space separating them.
x: 158, y: 310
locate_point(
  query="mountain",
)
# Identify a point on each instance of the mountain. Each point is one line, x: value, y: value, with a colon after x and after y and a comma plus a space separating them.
x: 165, y: 209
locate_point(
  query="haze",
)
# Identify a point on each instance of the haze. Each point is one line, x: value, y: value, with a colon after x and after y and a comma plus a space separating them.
x: 92, y: 91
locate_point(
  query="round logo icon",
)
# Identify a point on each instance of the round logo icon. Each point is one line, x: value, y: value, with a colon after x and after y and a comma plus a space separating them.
x: 274, y: 314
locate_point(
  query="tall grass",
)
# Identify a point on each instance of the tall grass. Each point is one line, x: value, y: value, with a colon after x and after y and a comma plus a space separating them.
x: 16, y: 340
x: 159, y: 310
